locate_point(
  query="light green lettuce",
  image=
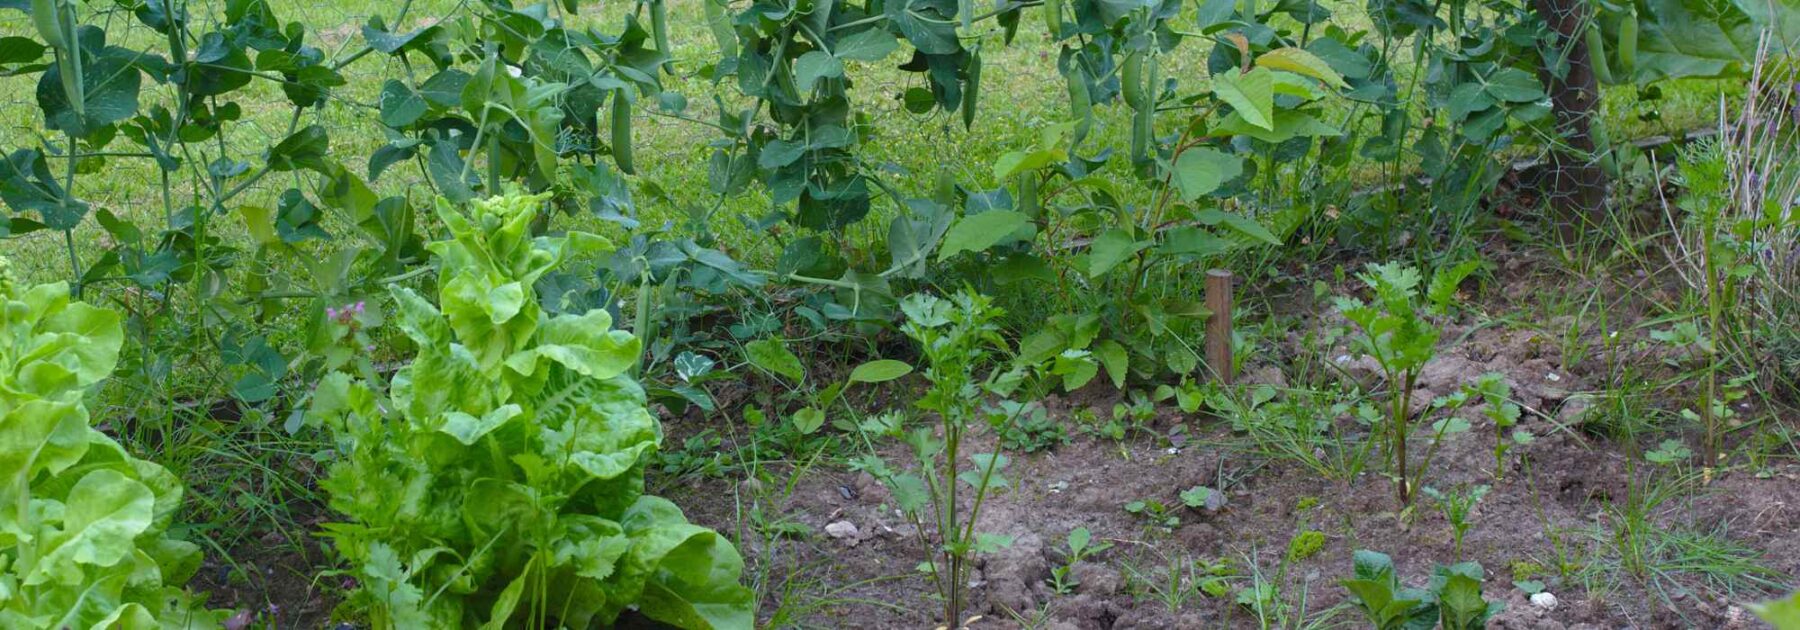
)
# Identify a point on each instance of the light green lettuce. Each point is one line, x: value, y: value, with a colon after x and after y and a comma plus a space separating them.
x: 497, y: 480
x: 82, y: 522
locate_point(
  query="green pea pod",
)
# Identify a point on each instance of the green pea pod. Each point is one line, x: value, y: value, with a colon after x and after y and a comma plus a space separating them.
x: 1141, y: 121
x: 621, y: 132
x: 1029, y: 205
x: 945, y: 194
x: 1053, y: 19
x: 1081, y: 105
x: 1152, y: 87
x: 720, y: 23
x: 1609, y: 162
x: 1597, y: 55
x: 46, y: 15
x: 659, y: 28
x: 1628, y: 44
x: 971, y: 95
x: 1131, y: 79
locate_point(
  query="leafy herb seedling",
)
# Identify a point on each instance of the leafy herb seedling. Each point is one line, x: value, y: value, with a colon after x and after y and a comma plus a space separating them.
x: 943, y: 498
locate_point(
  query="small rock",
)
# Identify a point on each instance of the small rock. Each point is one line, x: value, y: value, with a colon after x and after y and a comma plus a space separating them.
x: 1545, y: 601
x: 1096, y: 579
x: 240, y: 621
x: 845, y: 531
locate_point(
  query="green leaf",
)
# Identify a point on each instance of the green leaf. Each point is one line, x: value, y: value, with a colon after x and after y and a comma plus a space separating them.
x: 1442, y: 290
x: 400, y: 105
x: 1201, y: 170
x: 813, y: 66
x: 808, y: 420
x: 1513, y: 85
x: 1015, y: 162
x: 870, y: 44
x: 1198, y: 497
x: 1251, y: 95
x: 1783, y: 614
x: 880, y: 371
x: 109, y: 87
x: 1112, y: 355
x: 977, y: 233
x: 104, y: 512
x: 1289, y: 124
x: 1701, y: 38
x: 1112, y: 247
x: 772, y: 355
x: 468, y: 429
x: 584, y: 343
x: 1243, y: 225
x: 20, y: 50
x: 307, y: 148
x: 1299, y: 61
x: 924, y: 26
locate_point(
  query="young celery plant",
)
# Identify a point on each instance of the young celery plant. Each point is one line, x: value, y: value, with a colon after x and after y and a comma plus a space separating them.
x: 958, y: 338
x: 1402, y: 341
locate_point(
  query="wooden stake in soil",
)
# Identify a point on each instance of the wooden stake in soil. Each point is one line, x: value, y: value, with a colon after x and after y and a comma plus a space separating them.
x: 1218, y: 327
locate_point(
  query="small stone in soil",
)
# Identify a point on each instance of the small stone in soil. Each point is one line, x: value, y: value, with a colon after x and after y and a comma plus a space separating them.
x: 843, y: 530
x: 1545, y: 601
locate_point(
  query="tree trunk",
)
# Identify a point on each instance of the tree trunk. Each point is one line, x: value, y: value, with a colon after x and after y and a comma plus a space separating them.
x: 1575, y: 182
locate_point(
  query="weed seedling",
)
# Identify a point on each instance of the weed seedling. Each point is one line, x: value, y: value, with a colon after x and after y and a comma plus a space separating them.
x: 1079, y: 547
x: 1492, y: 390
x: 1457, y: 505
x: 1154, y: 514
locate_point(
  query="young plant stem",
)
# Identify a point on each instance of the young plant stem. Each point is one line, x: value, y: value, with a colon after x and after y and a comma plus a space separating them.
x: 1402, y: 409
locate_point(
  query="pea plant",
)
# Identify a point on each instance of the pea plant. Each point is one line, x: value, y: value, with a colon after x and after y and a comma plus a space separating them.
x: 86, y: 538
x: 498, y: 478
x: 1398, y: 335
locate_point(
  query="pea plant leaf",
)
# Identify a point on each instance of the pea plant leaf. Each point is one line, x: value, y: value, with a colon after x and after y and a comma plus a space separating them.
x: 870, y: 44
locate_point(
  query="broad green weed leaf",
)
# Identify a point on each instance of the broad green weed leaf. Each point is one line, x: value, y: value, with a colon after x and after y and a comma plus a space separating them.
x: 808, y: 420
x: 773, y: 356
x: 1299, y: 61
x: 879, y: 371
x: 1250, y: 94
x: 1783, y: 614
x: 1112, y: 247
x: 979, y: 232
x: 1201, y: 170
